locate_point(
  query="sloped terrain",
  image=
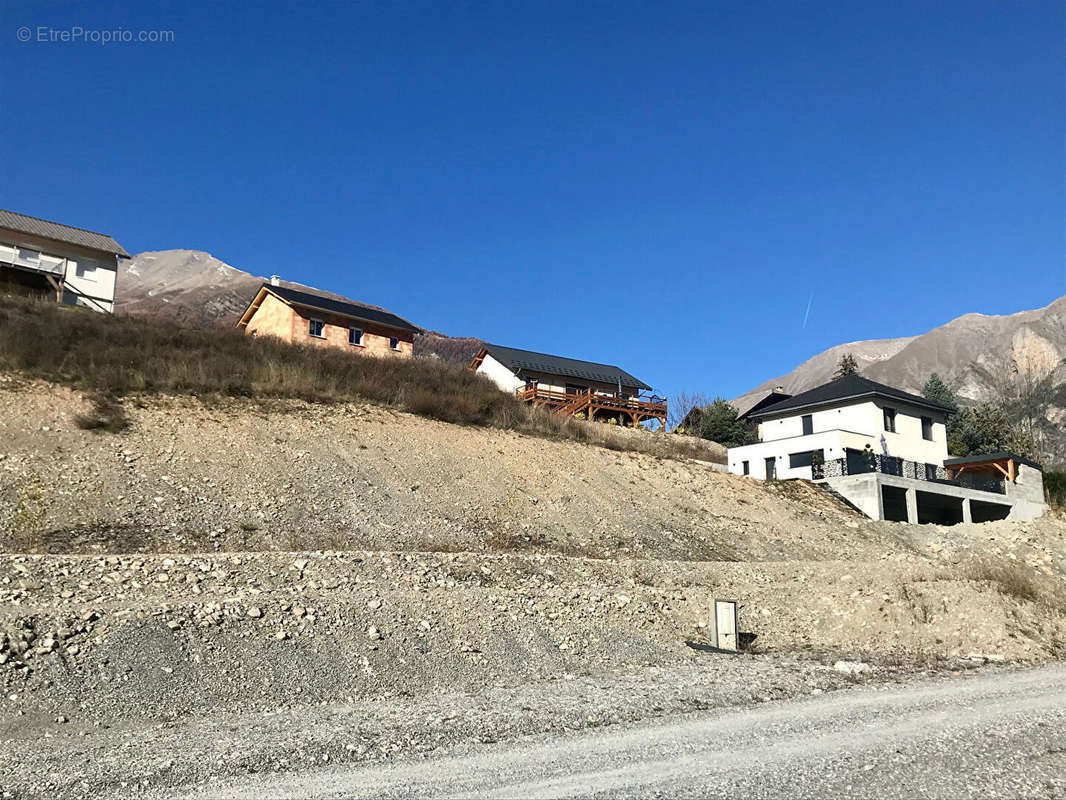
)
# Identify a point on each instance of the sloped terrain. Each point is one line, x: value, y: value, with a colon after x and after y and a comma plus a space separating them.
x: 189, y: 287
x: 307, y: 575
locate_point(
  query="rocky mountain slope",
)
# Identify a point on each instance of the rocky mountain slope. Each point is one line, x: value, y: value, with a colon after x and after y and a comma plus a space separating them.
x: 964, y: 352
x: 971, y: 353
x: 189, y: 287
x: 192, y: 288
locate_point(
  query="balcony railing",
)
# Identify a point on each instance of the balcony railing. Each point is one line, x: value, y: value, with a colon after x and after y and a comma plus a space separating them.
x: 862, y: 463
x: 37, y: 263
x: 580, y: 402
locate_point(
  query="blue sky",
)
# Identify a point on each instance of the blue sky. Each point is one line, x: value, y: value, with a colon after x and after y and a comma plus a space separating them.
x: 663, y: 186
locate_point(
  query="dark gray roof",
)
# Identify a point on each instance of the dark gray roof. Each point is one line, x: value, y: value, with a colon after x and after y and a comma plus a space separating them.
x: 1002, y: 455
x: 771, y: 399
x: 518, y: 360
x: 348, y: 308
x: 63, y: 233
x: 849, y: 387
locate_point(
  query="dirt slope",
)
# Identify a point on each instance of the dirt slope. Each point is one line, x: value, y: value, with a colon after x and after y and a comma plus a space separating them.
x: 239, y: 558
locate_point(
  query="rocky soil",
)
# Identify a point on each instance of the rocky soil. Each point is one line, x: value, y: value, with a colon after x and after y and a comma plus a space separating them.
x: 232, y: 586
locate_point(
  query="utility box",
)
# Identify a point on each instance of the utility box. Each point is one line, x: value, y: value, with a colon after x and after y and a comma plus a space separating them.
x: 724, y: 625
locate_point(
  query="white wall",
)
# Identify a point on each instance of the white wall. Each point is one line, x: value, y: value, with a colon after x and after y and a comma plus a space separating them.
x: 509, y: 382
x: 846, y: 425
x: 861, y: 417
x: 832, y: 443
x: 94, y: 278
x: 87, y: 272
x: 499, y: 374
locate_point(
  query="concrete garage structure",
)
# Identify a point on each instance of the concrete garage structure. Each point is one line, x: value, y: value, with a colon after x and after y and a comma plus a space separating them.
x: 884, y: 451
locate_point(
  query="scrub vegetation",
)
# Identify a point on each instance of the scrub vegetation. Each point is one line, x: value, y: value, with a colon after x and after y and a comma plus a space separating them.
x: 116, y: 356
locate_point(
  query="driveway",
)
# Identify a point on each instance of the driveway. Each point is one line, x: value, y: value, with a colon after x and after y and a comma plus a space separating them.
x: 997, y: 734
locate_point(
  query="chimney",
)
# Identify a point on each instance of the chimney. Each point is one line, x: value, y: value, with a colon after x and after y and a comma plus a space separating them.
x: 275, y: 280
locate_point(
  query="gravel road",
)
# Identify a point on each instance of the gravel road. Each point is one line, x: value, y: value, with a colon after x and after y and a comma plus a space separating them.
x: 991, y: 735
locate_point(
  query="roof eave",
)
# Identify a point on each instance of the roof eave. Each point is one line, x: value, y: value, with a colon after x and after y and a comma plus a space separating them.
x: 412, y: 329
x: 253, y: 306
x: 628, y: 385
x: 771, y: 411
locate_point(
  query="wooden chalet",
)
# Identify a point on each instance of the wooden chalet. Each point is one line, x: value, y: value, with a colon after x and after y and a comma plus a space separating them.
x: 570, y: 386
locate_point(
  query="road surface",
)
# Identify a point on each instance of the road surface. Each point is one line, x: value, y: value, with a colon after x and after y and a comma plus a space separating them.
x: 999, y: 734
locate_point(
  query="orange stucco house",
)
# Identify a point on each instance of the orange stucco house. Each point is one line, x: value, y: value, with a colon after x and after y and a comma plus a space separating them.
x: 306, y: 316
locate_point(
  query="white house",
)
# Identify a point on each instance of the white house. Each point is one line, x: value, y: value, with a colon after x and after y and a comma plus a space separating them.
x: 569, y: 385
x: 885, y: 451
x: 75, y: 266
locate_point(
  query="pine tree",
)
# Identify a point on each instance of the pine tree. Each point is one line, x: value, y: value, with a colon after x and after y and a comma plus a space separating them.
x: 719, y: 423
x: 959, y: 426
x: 938, y: 392
x: 846, y: 366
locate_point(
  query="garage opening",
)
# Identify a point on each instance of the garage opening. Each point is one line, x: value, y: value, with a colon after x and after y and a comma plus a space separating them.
x: 981, y: 511
x: 894, y: 503
x: 939, y: 509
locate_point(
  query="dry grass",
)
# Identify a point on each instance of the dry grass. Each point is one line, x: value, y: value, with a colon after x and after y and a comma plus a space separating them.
x: 107, y: 415
x: 1009, y: 578
x: 116, y: 356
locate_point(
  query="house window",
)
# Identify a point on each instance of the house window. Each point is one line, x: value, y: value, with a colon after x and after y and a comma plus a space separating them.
x: 394, y: 343
x: 27, y: 256
x: 744, y: 465
x: 890, y: 420
x: 808, y: 424
x: 315, y: 328
x: 927, y: 428
x: 86, y: 272
x: 796, y: 460
x: 355, y: 336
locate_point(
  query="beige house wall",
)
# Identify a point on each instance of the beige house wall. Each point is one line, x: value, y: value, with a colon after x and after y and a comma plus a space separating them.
x: 277, y: 318
x: 335, y: 334
x: 272, y: 318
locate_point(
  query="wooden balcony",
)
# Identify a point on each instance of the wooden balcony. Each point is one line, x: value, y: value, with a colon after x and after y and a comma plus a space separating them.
x: 595, y: 405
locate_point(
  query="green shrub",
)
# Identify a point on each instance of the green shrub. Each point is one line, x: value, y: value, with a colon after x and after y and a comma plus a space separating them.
x: 1055, y: 487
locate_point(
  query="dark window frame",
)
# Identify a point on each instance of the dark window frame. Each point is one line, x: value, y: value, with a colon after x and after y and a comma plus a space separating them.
x: 311, y: 322
x: 927, y: 428
x: 394, y: 342
x: 804, y: 458
x: 807, y: 421
x: 358, y: 342
x: 890, y: 419
x: 745, y: 467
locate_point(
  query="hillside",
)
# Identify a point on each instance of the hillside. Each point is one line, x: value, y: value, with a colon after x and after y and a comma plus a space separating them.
x: 191, y: 287
x: 348, y: 582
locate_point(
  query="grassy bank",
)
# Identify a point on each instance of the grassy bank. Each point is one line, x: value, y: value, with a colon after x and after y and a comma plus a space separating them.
x: 114, y: 356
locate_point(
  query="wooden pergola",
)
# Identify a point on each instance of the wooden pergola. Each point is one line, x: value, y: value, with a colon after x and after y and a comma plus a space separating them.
x: 998, y: 465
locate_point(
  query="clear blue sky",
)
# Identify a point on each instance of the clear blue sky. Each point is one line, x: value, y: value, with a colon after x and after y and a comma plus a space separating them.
x: 658, y: 185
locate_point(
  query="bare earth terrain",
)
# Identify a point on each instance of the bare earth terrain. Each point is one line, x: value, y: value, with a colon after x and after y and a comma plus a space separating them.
x: 232, y: 587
